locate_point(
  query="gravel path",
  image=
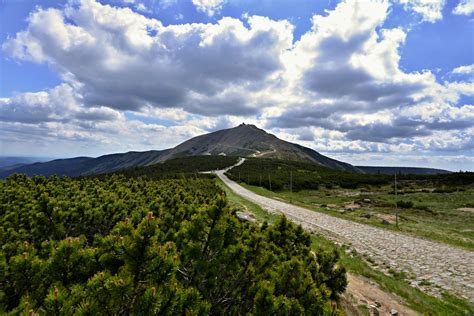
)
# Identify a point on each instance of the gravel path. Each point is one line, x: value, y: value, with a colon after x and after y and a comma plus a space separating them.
x: 447, y: 267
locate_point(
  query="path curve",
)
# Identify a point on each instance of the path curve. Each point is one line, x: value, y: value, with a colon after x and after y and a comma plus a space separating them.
x: 448, y: 267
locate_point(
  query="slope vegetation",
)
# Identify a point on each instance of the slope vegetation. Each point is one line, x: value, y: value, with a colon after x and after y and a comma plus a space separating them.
x: 126, y: 246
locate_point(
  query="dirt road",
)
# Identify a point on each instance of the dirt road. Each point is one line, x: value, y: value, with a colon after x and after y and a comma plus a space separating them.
x: 450, y: 268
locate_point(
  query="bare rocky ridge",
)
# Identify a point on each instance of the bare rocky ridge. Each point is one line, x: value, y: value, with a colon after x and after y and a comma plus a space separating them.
x: 443, y: 266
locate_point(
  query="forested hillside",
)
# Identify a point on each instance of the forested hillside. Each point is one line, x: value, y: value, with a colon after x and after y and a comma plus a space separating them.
x: 182, y: 167
x: 277, y: 174
x: 402, y: 170
x: 120, y: 245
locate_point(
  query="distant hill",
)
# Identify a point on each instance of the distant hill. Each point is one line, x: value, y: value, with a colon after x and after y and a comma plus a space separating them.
x: 243, y: 140
x: 7, y: 163
x: 402, y: 170
x: 83, y: 166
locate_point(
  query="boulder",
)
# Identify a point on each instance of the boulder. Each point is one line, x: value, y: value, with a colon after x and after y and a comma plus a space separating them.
x: 385, y: 222
x: 351, y: 207
x: 366, y: 215
x: 393, y: 312
x: 243, y: 216
x: 374, y: 310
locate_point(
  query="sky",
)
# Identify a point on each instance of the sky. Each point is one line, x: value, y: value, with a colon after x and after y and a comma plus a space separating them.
x: 368, y: 82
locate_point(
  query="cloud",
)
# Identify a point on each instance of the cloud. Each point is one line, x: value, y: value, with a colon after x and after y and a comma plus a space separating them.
x: 59, y: 104
x: 408, y: 159
x: 345, y: 58
x: 385, y: 127
x: 430, y: 10
x: 54, y: 122
x: 142, y: 8
x: 167, y: 3
x: 463, y: 70
x: 123, y: 60
x: 465, y: 7
x: 210, y: 7
x: 338, y: 89
x: 345, y: 77
x: 462, y: 87
x: 80, y: 138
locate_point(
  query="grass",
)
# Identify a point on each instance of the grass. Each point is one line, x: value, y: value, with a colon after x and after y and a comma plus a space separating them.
x: 433, y: 216
x: 363, y: 310
x: 414, y: 298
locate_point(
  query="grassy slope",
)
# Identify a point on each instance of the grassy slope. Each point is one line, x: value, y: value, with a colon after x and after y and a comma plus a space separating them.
x: 434, y: 215
x: 355, y: 264
x: 182, y: 167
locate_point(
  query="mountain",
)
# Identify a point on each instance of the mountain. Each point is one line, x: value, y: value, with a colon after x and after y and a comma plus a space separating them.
x: 7, y: 163
x: 83, y: 166
x: 243, y: 140
x: 251, y: 141
x: 402, y: 170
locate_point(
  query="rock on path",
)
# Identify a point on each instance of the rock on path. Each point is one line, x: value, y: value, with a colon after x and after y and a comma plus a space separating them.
x: 447, y: 267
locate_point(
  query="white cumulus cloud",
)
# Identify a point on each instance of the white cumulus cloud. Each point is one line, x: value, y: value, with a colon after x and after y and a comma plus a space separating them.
x: 429, y: 10
x: 210, y: 7
x: 345, y: 76
x: 465, y: 7
x: 463, y: 70
x: 126, y: 61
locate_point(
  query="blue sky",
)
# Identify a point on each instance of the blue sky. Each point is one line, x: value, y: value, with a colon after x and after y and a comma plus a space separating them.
x: 370, y: 82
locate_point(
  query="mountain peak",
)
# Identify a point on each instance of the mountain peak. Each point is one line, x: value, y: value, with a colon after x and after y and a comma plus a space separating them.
x: 245, y: 140
x: 248, y: 127
x: 245, y: 126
